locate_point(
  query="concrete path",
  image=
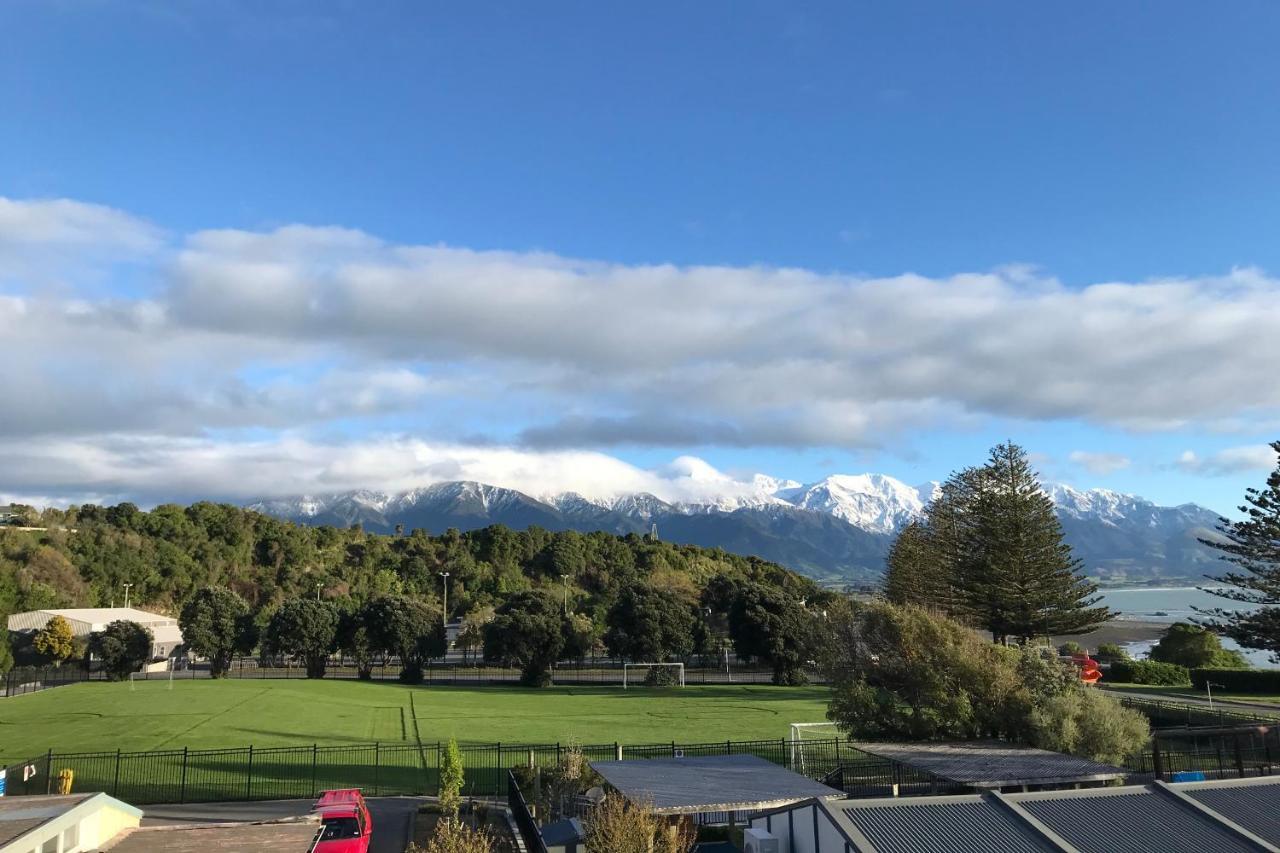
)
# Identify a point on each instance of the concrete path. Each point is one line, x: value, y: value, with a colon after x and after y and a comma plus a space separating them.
x: 392, y: 816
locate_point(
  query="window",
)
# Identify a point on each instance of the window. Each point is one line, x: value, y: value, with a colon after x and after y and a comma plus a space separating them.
x: 50, y: 846
x: 340, y: 827
x: 70, y: 838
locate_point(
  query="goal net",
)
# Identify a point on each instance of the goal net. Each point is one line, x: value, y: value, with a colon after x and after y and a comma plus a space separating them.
x: 652, y: 675
x: 811, y: 745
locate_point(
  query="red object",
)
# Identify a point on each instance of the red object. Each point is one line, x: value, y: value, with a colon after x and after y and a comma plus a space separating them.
x: 346, y: 821
x: 1089, y: 672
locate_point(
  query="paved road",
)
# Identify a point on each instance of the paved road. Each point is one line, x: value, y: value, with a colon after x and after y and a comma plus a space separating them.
x: 392, y: 816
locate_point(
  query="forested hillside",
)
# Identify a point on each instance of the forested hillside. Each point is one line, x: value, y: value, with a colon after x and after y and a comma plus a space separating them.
x: 87, y: 554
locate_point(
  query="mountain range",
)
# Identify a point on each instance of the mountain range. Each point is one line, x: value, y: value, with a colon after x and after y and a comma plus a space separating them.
x: 836, y: 530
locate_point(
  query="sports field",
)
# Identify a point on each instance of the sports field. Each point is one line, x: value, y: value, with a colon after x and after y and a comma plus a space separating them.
x: 207, y: 714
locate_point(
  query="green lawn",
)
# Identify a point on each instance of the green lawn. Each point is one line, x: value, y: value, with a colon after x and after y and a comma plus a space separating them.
x: 233, y: 713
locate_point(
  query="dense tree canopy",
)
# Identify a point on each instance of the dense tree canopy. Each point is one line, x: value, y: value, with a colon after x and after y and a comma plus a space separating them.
x: 648, y: 624
x: 529, y: 632
x: 54, y: 641
x: 1252, y: 546
x: 407, y: 628
x: 768, y: 623
x: 1193, y: 646
x: 123, y: 647
x: 304, y: 628
x: 217, y: 625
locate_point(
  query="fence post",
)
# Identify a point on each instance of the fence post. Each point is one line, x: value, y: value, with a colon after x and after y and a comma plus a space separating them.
x: 182, y: 789
x: 1157, y: 765
x: 248, y: 780
x: 376, y: 762
x: 1239, y: 756
x: 115, y: 786
x: 315, y: 749
x: 48, y: 772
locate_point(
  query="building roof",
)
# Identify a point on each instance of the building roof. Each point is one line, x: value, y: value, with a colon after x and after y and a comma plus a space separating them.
x: 166, y: 634
x: 1221, y: 816
x: 20, y: 815
x: 994, y: 764
x: 110, y: 614
x: 286, y: 836
x: 709, y: 783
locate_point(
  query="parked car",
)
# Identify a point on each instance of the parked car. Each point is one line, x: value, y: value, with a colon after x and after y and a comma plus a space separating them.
x: 345, y: 820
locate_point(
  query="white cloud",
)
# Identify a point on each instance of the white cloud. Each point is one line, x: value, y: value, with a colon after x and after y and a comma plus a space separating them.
x: 1232, y: 460
x: 1099, y: 463
x: 292, y: 330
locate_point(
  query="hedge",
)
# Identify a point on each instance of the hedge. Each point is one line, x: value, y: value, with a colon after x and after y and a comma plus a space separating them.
x: 1239, y: 680
x: 1148, y: 672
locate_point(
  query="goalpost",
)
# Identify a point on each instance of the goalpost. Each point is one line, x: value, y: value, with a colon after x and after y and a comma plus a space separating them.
x: 626, y: 669
x: 801, y: 732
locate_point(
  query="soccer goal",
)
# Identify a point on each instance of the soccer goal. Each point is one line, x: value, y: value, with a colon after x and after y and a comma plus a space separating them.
x: 627, y: 668
x: 805, y: 746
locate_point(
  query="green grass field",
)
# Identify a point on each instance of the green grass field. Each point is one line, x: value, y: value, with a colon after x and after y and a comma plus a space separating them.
x: 267, y: 713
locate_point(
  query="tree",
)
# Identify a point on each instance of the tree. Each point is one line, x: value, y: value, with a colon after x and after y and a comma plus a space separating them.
x: 216, y: 624
x: 1252, y: 545
x: 6, y: 654
x: 356, y: 639
x: 1111, y: 652
x: 409, y: 629
x: 55, y: 640
x: 527, y: 631
x: 1018, y: 574
x: 307, y: 629
x: 451, y: 779
x: 471, y: 636
x: 1193, y: 647
x: 123, y: 647
x: 1091, y: 724
x: 767, y: 623
x: 646, y: 624
x: 915, y: 572
x: 617, y: 825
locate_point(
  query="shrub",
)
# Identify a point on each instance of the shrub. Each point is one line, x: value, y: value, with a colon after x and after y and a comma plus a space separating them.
x: 1149, y: 672
x: 451, y: 779
x: 1193, y: 646
x: 1111, y: 652
x: 1071, y: 647
x: 1089, y: 723
x: 619, y: 826
x: 452, y: 836
x: 1239, y: 680
x: 55, y: 640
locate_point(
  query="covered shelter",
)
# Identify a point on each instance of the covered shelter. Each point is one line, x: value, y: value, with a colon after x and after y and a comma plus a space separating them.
x: 715, y: 788
x: 993, y: 765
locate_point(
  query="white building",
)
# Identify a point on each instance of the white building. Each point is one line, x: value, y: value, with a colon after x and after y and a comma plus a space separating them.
x: 165, y: 633
x: 63, y: 824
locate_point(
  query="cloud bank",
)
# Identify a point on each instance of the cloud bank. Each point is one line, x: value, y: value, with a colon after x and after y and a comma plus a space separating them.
x: 125, y: 342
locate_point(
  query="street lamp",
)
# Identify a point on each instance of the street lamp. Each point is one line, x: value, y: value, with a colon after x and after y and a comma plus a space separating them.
x: 445, y: 618
x: 318, y: 586
x: 1209, y: 685
x: 126, y: 595
x: 565, y: 578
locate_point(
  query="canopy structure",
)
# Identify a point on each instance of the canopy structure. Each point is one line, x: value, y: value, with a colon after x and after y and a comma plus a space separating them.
x: 987, y: 765
x: 720, y: 783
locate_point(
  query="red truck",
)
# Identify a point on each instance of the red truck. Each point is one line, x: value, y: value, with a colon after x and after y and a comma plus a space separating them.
x: 346, y: 822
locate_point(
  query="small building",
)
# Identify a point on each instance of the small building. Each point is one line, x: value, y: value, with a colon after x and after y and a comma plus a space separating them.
x: 10, y: 514
x: 1226, y: 816
x: 712, y: 788
x: 166, y: 635
x: 63, y: 824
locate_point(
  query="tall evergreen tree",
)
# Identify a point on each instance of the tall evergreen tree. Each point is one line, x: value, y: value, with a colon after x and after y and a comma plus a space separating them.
x: 1253, y: 545
x: 1019, y: 576
x: 913, y: 568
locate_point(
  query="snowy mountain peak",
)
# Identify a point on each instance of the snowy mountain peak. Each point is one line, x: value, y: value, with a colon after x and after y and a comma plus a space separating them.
x: 874, y: 502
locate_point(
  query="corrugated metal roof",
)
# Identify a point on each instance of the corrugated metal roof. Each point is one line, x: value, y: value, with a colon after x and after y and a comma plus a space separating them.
x: 1254, y: 807
x: 709, y: 783
x: 1141, y: 821
x: 994, y: 764
x: 964, y: 825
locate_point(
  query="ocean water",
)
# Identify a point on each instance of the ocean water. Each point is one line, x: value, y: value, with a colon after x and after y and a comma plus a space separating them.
x: 1176, y: 604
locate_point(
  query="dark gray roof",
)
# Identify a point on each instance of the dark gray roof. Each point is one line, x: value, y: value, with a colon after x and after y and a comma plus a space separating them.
x: 709, y: 783
x: 1206, y: 817
x: 563, y: 831
x: 994, y: 764
x: 1135, y: 822
x: 1255, y: 807
x: 962, y: 825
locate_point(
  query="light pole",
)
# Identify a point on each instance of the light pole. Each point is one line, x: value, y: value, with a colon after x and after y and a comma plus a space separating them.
x: 1209, y: 685
x: 126, y: 595
x: 565, y: 578
x: 318, y: 585
x: 445, y: 618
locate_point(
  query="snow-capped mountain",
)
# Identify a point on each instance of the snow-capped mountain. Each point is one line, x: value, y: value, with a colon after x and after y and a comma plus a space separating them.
x: 840, y: 527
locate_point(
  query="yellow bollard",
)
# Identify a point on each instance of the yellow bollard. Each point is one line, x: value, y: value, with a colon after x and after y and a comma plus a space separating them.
x: 65, y: 777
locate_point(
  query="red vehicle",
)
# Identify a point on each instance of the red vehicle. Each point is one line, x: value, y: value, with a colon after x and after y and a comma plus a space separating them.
x: 346, y: 822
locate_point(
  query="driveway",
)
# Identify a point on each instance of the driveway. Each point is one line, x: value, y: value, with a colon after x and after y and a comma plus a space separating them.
x: 392, y: 816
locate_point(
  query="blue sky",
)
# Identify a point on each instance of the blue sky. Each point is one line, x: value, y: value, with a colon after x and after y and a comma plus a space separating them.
x: 793, y: 150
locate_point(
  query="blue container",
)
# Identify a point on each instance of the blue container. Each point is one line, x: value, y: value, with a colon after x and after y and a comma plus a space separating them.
x: 1187, y: 776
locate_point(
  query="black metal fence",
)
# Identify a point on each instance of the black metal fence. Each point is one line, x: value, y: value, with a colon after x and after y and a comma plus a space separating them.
x: 525, y: 823
x: 30, y: 680
x: 1165, y: 714
x: 251, y: 773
